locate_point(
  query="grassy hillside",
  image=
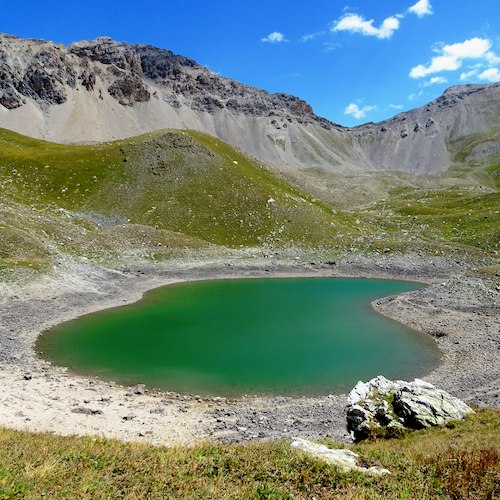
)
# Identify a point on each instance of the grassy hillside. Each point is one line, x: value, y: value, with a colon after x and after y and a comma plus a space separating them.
x: 459, y: 461
x: 165, y: 193
x: 161, y: 183
x: 456, y: 216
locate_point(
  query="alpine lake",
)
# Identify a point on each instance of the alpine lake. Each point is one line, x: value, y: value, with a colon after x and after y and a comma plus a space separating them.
x: 293, y: 336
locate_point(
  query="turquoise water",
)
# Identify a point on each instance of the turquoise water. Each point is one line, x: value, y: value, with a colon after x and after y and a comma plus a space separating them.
x: 229, y: 337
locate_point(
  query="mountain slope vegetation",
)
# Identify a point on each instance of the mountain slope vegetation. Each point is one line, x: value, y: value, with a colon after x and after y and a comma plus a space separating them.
x: 168, y: 188
x: 164, y: 193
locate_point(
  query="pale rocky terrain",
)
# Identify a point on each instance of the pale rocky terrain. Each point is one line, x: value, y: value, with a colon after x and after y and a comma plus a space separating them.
x: 102, y: 90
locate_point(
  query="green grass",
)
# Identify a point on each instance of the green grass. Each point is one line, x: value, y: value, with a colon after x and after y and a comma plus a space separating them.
x: 460, y: 216
x: 157, y: 195
x: 34, y: 237
x: 461, y: 149
x: 186, y: 182
x: 485, y: 170
x: 458, y: 461
x: 494, y: 172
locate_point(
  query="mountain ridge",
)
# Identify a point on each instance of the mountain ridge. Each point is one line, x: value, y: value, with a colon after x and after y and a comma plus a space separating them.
x: 99, y: 90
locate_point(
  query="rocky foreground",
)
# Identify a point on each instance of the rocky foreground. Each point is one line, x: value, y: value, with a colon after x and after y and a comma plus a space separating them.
x: 460, y: 310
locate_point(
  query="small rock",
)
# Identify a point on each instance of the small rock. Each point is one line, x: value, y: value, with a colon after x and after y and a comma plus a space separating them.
x: 86, y: 411
x: 140, y: 389
x: 345, y: 460
x: 218, y: 399
x: 157, y: 411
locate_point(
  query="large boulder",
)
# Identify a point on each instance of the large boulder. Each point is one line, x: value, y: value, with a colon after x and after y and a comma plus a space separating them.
x: 382, y: 406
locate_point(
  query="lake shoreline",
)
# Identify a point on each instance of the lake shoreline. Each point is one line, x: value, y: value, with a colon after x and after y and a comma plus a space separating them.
x: 458, y: 307
x: 266, y: 336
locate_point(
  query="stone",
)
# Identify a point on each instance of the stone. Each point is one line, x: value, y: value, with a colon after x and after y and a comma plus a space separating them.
x: 86, y: 411
x: 140, y: 389
x: 345, y: 460
x: 388, y: 407
x: 422, y: 407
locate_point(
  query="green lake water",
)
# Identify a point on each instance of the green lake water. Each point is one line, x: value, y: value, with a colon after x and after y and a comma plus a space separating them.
x: 229, y: 337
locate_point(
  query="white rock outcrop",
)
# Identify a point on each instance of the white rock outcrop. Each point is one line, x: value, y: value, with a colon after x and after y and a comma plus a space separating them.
x: 385, y: 405
x: 345, y: 460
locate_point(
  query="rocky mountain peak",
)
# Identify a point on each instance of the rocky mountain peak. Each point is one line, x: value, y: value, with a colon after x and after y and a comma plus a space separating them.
x: 130, y: 73
x: 97, y: 90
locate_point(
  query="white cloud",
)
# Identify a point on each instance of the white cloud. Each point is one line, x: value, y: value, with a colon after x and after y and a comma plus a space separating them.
x: 438, y: 64
x: 492, y: 58
x: 468, y: 74
x: 274, y: 37
x: 421, y: 8
x: 438, y: 79
x: 358, y: 24
x: 396, y: 106
x: 491, y: 75
x: 415, y: 95
x: 473, y: 48
x: 451, y: 57
x: 435, y: 80
x: 311, y: 36
x: 354, y: 110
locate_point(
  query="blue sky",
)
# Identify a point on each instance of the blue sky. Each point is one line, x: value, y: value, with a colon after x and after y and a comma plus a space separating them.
x: 353, y: 61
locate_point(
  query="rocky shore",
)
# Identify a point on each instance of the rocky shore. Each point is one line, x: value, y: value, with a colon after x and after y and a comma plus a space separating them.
x: 460, y: 308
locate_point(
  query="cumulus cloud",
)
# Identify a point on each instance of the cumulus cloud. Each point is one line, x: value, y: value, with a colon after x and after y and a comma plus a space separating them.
x: 438, y: 64
x: 473, y: 48
x: 451, y: 56
x: 490, y: 75
x: 421, y: 8
x: 355, y: 23
x: 354, y: 110
x: 274, y: 37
